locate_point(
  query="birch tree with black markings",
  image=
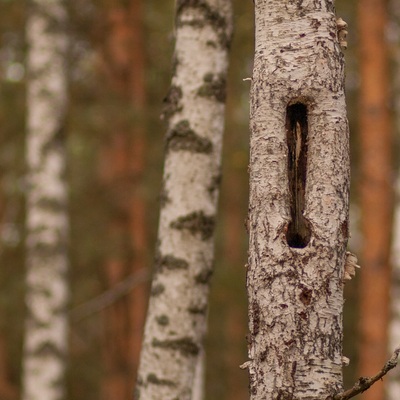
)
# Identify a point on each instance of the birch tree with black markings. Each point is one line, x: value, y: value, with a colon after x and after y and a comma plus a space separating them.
x: 298, y: 209
x: 45, y: 341
x: 176, y: 320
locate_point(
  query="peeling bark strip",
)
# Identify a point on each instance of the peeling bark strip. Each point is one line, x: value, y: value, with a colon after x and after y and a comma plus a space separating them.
x: 299, y: 186
x: 176, y: 321
x: 45, y: 340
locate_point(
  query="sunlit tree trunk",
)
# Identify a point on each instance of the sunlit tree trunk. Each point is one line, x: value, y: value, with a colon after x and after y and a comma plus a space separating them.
x: 122, y: 170
x: 176, y: 321
x: 298, y: 211
x: 376, y: 193
x: 45, y: 343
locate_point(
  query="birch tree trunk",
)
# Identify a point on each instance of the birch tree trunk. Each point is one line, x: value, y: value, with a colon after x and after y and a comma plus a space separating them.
x: 176, y: 321
x: 376, y: 192
x: 45, y: 342
x: 298, y: 210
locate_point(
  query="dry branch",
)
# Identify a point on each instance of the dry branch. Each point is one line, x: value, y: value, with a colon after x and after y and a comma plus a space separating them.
x: 364, y: 383
x: 110, y: 296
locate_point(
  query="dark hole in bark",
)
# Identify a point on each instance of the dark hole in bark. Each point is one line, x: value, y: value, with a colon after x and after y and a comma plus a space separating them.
x: 298, y: 233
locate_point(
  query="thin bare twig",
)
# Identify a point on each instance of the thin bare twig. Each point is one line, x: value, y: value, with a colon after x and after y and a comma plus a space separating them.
x: 110, y: 296
x: 365, y: 383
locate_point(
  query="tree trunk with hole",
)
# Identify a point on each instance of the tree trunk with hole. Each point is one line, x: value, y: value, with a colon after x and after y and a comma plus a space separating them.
x: 45, y: 342
x: 376, y: 192
x: 298, y: 209
x: 176, y: 321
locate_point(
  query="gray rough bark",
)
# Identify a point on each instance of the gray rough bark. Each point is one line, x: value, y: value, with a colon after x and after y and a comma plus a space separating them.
x: 176, y: 321
x: 45, y: 340
x: 298, y: 209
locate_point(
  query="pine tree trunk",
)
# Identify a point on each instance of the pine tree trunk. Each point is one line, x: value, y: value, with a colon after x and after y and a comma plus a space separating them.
x: 7, y: 390
x: 45, y: 346
x: 123, y: 164
x: 176, y: 321
x: 393, y: 381
x: 376, y: 193
x: 298, y: 210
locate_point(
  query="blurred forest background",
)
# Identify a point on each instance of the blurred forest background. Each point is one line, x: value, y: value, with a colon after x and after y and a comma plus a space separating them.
x: 115, y: 143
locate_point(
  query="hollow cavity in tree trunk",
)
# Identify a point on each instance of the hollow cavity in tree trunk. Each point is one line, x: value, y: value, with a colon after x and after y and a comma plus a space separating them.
x: 298, y: 233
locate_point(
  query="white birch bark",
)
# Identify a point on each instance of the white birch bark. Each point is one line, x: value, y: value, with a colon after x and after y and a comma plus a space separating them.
x: 176, y: 320
x: 45, y: 341
x: 294, y: 278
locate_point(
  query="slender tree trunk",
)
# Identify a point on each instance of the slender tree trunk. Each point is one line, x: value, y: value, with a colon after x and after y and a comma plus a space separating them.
x: 393, y: 383
x: 235, y: 326
x: 7, y: 390
x: 176, y: 321
x: 376, y: 193
x: 137, y: 210
x: 298, y: 211
x: 123, y: 164
x: 45, y: 346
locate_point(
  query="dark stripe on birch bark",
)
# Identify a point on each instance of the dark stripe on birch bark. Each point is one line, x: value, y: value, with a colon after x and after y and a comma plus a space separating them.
x: 213, y: 86
x: 183, y: 137
x: 196, y: 222
x: 186, y: 346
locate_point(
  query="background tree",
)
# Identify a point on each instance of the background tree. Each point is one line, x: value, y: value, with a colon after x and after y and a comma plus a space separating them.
x: 12, y: 170
x: 298, y: 211
x: 393, y: 30
x: 376, y: 190
x: 176, y: 320
x: 121, y: 167
x: 45, y: 342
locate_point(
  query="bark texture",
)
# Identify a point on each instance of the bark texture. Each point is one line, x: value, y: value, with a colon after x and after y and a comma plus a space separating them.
x: 176, y: 321
x: 376, y: 193
x: 45, y: 342
x: 298, y: 210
